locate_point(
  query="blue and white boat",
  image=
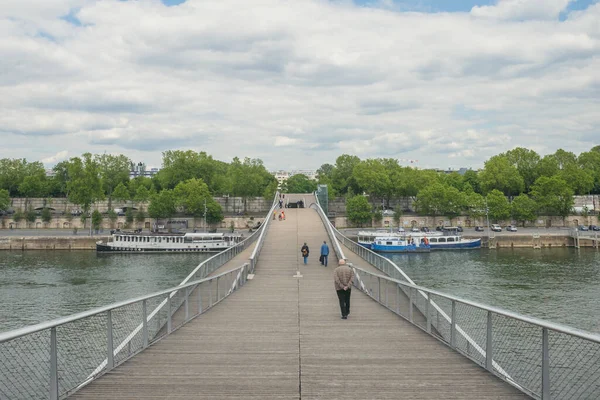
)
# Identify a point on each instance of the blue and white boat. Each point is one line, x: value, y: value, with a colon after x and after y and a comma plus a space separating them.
x: 387, y: 244
x: 452, y: 240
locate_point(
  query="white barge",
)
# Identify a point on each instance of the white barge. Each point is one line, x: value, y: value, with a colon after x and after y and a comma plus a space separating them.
x: 123, y: 242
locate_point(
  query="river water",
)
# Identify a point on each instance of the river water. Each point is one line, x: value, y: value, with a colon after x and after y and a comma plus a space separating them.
x: 561, y: 285
x: 36, y: 286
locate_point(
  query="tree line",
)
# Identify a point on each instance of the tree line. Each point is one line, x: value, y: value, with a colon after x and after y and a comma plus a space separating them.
x: 187, y: 180
x: 518, y: 184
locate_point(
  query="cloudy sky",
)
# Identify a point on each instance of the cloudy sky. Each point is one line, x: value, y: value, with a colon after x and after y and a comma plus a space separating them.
x: 298, y: 82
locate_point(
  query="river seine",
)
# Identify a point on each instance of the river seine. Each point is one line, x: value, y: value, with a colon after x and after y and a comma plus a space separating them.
x: 36, y: 286
x: 560, y: 285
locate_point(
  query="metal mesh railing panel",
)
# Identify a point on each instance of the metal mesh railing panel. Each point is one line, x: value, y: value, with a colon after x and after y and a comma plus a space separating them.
x: 25, y: 367
x: 473, y: 321
x: 517, y: 352
x: 574, y: 367
x: 157, y: 325
x: 440, y: 317
x: 81, y: 349
x: 127, y: 334
x: 419, y: 309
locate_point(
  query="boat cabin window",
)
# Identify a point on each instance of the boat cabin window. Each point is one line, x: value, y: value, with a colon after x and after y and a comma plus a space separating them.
x: 442, y: 240
x: 389, y: 243
x: 450, y: 239
x: 433, y: 240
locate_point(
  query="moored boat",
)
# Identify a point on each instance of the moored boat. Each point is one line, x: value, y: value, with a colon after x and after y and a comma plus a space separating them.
x: 125, y: 242
x: 388, y: 244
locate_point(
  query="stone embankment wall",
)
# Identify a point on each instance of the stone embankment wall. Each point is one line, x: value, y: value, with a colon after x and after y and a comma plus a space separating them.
x: 50, y: 243
x: 230, y: 205
x: 241, y: 222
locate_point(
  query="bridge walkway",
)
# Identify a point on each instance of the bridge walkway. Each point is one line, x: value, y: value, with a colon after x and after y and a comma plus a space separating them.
x: 281, y: 337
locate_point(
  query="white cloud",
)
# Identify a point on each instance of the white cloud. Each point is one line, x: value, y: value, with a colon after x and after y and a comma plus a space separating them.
x: 296, y: 83
x: 522, y: 9
x: 58, y: 157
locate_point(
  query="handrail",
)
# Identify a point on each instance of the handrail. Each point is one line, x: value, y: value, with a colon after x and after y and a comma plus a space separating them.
x: 15, y: 333
x: 558, y: 327
x: 261, y: 237
x: 329, y: 229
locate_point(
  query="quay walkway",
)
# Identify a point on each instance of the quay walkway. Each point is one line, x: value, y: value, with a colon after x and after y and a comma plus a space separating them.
x: 280, y: 336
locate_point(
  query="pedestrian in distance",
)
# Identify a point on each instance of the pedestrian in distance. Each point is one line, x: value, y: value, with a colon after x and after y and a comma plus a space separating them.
x: 282, y: 214
x: 305, y: 251
x: 342, y: 280
x: 324, y: 253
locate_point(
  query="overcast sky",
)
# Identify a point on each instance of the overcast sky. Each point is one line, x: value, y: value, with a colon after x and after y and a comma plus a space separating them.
x: 299, y: 82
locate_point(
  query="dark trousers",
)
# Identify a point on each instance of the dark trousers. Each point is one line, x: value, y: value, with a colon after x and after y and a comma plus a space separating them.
x: 324, y: 262
x: 344, y: 297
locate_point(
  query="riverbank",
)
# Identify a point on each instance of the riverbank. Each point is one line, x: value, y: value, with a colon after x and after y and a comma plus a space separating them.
x: 50, y: 242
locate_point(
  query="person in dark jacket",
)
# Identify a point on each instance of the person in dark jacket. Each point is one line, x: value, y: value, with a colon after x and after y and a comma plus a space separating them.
x: 305, y: 251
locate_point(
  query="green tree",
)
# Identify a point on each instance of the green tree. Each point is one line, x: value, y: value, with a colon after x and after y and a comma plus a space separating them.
x: 475, y: 205
x: 162, y: 205
x: 342, y: 176
x: 112, y: 170
x: 179, y: 166
x: 590, y: 161
x: 4, y: 199
x: 193, y: 195
x: 14, y: 171
x: 248, y: 178
x: 30, y: 216
x: 112, y: 216
x: 129, y: 217
x: 374, y: 177
x: 523, y: 208
x: 140, y: 216
x: 84, y: 186
x: 33, y: 186
x: 120, y: 193
x: 18, y: 216
x: 46, y: 215
x: 498, y: 206
x: 358, y: 210
x: 270, y: 190
x: 553, y: 196
x: 580, y: 180
x: 325, y: 174
x: 96, y: 219
x: 300, y: 183
x: 472, y: 179
x: 526, y: 161
x: 499, y: 174
x: 142, y: 194
x: 439, y: 199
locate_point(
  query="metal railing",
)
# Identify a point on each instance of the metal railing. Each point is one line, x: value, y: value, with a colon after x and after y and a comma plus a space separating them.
x: 543, y: 359
x: 75, y: 354
x: 54, y: 359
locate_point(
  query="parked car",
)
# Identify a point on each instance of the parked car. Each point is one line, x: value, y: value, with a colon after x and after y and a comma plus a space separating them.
x: 439, y: 228
x: 425, y: 229
x: 400, y: 229
x: 496, y: 228
x: 388, y: 213
x: 479, y: 228
x: 414, y: 229
x: 459, y: 228
x: 582, y: 228
x: 594, y: 228
x: 511, y: 228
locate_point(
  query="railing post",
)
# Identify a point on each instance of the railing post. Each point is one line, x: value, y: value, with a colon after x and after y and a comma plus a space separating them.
x: 210, y: 301
x: 169, y: 322
x: 379, y: 290
x: 218, y: 290
x: 453, y: 326
x: 53, y: 365
x: 144, y: 324
x: 397, y: 299
x: 110, y: 360
x: 199, y: 299
x: 427, y: 306
x: 489, y: 348
x: 410, y: 309
x: 545, y: 365
x: 187, y: 307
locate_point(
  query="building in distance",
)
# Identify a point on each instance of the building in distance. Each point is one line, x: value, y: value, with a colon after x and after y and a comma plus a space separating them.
x: 140, y: 169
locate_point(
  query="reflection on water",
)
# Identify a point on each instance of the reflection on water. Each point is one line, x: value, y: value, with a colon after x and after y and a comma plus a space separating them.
x: 560, y: 285
x: 36, y: 286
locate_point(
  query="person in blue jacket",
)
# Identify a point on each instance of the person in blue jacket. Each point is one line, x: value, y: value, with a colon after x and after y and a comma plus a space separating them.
x: 324, y: 253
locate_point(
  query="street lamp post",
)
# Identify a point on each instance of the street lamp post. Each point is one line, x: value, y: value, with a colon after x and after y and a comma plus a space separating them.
x: 487, y: 218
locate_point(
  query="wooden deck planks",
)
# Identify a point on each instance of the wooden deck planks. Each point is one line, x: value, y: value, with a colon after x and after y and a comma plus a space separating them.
x: 281, y: 337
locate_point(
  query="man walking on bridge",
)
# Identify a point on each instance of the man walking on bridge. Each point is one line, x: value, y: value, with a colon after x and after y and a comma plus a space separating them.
x: 324, y: 253
x: 342, y: 280
x: 304, y: 250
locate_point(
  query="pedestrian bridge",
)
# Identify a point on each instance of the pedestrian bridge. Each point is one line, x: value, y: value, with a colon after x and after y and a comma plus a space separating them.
x: 253, y: 322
